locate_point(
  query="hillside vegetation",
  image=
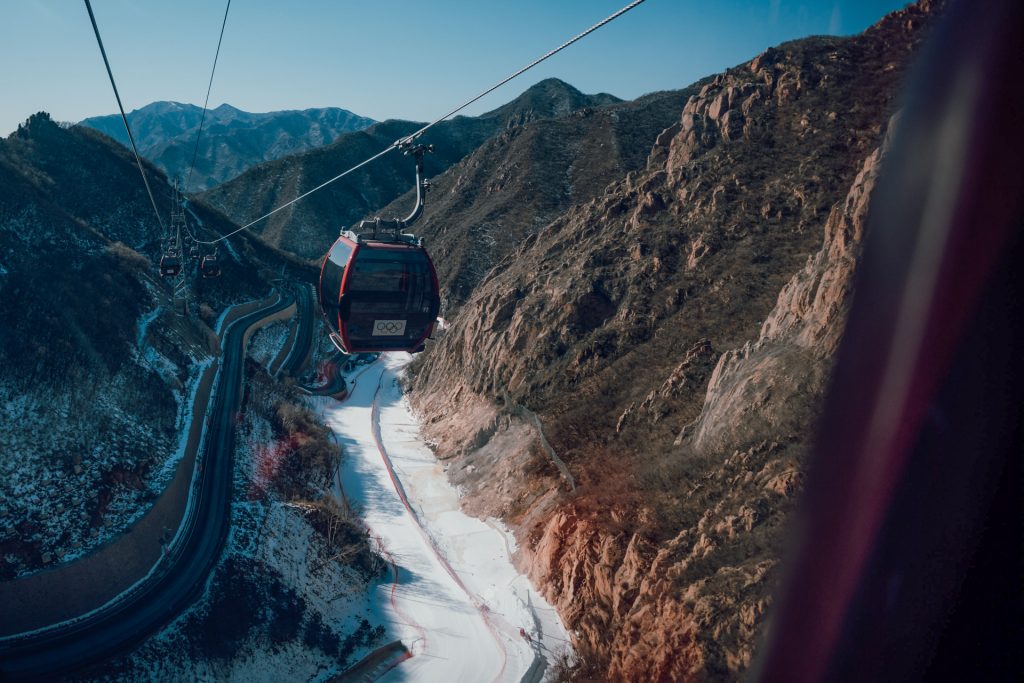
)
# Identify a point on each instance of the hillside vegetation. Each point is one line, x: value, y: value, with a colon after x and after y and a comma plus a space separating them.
x: 97, y: 369
x: 521, y: 179
x: 308, y: 227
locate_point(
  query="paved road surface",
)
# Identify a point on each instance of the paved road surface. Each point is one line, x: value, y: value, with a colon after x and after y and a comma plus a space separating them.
x: 305, y: 312
x: 177, y: 585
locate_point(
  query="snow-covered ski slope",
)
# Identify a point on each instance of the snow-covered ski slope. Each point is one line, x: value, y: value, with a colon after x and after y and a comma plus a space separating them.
x: 458, y: 603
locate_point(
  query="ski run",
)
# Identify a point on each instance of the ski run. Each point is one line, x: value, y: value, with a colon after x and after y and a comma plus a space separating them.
x: 453, y: 595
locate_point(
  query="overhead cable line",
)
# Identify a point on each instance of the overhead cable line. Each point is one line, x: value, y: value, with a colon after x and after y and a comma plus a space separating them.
x: 409, y: 138
x: 322, y: 185
x: 131, y: 138
x: 206, y: 104
x: 526, y: 68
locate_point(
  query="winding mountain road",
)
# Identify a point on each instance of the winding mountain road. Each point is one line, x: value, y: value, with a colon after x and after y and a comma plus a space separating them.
x: 180, y: 579
x: 303, y: 344
x: 459, y: 604
x: 335, y: 384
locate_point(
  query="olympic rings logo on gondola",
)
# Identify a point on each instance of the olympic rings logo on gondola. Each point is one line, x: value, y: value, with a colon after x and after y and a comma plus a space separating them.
x: 388, y: 327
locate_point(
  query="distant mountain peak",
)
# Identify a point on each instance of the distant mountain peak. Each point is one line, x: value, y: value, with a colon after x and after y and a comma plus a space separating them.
x: 166, y: 133
x: 40, y: 123
x: 551, y: 97
x: 550, y: 82
x: 162, y: 106
x: 553, y: 84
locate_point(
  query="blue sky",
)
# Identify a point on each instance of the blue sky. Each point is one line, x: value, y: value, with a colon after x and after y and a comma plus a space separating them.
x: 382, y: 59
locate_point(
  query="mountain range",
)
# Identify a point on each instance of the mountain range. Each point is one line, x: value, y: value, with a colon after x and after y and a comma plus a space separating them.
x: 308, y: 227
x: 232, y: 140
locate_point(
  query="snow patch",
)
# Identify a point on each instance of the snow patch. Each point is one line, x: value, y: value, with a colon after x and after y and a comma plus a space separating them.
x: 143, y: 326
x: 217, y: 326
x: 275, y: 539
x: 460, y: 602
x: 184, y: 424
x: 265, y: 344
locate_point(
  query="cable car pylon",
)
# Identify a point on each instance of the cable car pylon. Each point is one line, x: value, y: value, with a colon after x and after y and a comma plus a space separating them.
x: 177, y: 227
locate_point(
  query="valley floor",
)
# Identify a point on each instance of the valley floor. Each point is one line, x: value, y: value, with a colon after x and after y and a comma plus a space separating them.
x: 458, y: 603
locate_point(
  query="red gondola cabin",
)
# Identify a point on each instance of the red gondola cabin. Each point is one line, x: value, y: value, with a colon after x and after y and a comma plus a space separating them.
x: 378, y: 295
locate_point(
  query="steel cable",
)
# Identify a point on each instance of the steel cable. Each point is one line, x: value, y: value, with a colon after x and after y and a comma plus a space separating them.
x: 409, y: 138
x: 526, y: 68
x: 209, y: 87
x: 131, y: 138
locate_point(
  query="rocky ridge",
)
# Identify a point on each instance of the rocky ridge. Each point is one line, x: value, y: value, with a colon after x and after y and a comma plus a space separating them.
x: 484, y: 206
x: 673, y: 335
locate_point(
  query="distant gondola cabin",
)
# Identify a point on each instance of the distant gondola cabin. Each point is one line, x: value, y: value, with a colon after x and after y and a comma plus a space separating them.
x: 170, y: 265
x: 210, y: 266
x: 378, y: 295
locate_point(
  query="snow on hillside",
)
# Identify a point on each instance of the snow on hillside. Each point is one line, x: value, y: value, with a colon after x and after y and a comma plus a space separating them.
x: 299, y: 614
x: 267, y: 342
x: 78, y: 468
x: 51, y: 464
x: 279, y: 600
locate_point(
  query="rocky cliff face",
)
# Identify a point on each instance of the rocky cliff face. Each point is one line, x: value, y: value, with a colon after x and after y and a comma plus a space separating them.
x: 673, y: 336
x: 706, y: 591
x: 483, y: 207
